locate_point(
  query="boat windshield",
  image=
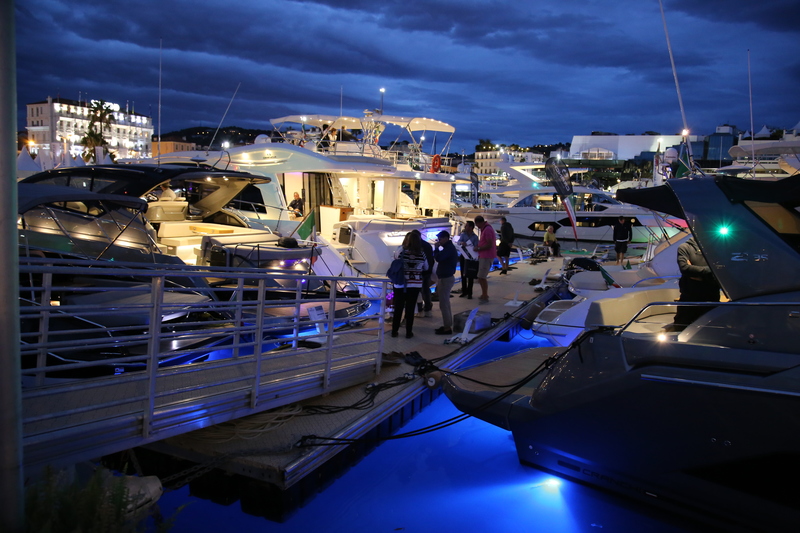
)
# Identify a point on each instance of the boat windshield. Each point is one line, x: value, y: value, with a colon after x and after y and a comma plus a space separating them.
x: 549, y: 201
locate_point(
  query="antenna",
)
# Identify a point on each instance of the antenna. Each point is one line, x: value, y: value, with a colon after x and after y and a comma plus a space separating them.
x: 223, y: 117
x: 160, y: 48
x: 752, y: 129
x: 677, y: 85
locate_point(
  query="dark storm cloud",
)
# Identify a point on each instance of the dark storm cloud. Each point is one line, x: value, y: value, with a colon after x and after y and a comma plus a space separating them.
x: 511, y: 71
x: 774, y: 15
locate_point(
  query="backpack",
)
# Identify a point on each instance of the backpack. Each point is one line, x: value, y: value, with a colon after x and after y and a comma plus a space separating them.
x: 396, y: 273
x: 287, y: 242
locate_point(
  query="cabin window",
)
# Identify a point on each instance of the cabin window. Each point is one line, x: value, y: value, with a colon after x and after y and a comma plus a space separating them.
x: 542, y: 226
x: 784, y: 221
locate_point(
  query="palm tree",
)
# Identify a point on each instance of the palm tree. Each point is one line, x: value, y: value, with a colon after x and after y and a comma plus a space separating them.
x: 100, y: 113
x: 92, y: 139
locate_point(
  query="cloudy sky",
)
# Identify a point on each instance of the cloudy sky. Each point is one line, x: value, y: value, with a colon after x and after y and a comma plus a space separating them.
x: 512, y: 71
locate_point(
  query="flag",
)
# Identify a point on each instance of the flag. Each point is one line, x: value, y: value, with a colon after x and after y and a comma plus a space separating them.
x: 608, y: 279
x: 570, y: 209
x: 308, y: 227
x: 682, y: 169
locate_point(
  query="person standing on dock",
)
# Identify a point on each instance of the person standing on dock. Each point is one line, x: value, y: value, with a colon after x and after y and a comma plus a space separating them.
x: 506, y: 240
x: 427, y: 301
x: 446, y: 257
x: 487, y: 251
x: 467, y: 240
x: 405, y: 295
x: 622, y: 236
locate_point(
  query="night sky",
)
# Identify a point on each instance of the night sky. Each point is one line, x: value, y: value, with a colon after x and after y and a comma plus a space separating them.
x: 525, y: 72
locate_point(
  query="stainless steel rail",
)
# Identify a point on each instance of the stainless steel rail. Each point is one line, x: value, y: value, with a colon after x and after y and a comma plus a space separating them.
x: 116, y: 355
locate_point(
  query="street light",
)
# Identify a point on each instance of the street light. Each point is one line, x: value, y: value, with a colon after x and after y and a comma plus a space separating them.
x: 382, y: 91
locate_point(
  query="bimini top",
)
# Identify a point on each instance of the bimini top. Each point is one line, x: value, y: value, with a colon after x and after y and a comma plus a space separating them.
x: 748, y: 230
x: 416, y: 123
x: 320, y: 121
x: 335, y: 121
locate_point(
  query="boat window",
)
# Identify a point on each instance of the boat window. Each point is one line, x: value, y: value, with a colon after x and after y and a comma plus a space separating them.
x: 594, y: 222
x: 92, y: 208
x: 542, y: 226
x: 525, y: 202
x: 226, y: 219
x: 250, y: 199
x: 783, y: 220
x: 603, y: 199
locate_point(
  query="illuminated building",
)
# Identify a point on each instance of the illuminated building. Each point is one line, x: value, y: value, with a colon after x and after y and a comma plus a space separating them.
x: 59, y: 125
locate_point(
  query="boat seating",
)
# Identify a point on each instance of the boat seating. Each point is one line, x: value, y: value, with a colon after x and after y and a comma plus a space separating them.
x: 643, y: 276
x: 167, y: 210
x: 617, y: 311
x: 589, y: 280
x: 182, y: 237
x: 253, y: 247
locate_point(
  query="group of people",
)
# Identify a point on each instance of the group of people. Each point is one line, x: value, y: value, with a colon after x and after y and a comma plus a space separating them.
x: 475, y: 253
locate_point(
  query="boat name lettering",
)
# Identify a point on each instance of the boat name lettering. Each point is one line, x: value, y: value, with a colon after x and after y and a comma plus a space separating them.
x: 744, y: 256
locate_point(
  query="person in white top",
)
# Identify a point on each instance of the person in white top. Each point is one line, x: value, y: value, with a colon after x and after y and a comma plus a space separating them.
x: 167, y: 194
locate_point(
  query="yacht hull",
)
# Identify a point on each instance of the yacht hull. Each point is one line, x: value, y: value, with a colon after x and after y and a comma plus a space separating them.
x: 704, y: 437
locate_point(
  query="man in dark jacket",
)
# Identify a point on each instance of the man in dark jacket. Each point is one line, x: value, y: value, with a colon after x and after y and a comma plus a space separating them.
x: 622, y: 236
x: 427, y: 302
x: 506, y: 240
x: 446, y: 257
x: 697, y: 284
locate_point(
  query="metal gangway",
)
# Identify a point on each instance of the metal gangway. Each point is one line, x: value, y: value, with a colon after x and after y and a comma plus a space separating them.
x: 118, y: 355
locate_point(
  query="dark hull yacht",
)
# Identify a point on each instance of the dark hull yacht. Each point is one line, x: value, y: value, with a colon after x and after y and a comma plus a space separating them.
x: 703, y: 420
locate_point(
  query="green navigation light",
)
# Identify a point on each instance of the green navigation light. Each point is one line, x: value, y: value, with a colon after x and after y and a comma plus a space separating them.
x: 724, y: 230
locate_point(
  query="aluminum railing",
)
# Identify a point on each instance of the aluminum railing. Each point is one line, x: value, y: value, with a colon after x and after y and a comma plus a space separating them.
x: 116, y: 355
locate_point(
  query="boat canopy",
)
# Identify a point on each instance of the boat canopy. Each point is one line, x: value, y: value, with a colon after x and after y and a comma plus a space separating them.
x: 416, y: 123
x: 660, y: 198
x: 409, y: 123
x: 30, y: 195
x: 320, y: 121
x: 745, y: 149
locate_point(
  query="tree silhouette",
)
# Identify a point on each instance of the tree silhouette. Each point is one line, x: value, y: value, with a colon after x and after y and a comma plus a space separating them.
x: 100, y: 113
x: 90, y: 141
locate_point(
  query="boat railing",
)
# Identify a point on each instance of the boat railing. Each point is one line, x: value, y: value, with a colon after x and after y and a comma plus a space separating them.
x: 118, y: 354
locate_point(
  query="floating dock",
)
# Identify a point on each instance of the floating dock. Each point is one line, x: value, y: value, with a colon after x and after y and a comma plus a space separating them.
x: 274, y: 461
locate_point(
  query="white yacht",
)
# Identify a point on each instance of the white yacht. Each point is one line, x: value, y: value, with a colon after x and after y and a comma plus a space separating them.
x: 358, y: 197
x: 530, y: 211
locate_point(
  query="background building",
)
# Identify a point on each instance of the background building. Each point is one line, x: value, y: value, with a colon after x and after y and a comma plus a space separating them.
x: 486, y: 161
x: 59, y: 125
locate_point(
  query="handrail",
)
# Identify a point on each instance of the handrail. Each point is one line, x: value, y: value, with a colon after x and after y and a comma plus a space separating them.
x: 118, y: 354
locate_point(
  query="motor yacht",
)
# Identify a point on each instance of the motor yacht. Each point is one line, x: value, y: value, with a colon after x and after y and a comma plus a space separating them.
x: 61, y: 217
x: 701, y: 421
x: 532, y: 210
x: 359, y: 197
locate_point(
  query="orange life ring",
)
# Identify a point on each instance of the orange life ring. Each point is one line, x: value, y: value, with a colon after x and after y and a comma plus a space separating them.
x: 436, y: 163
